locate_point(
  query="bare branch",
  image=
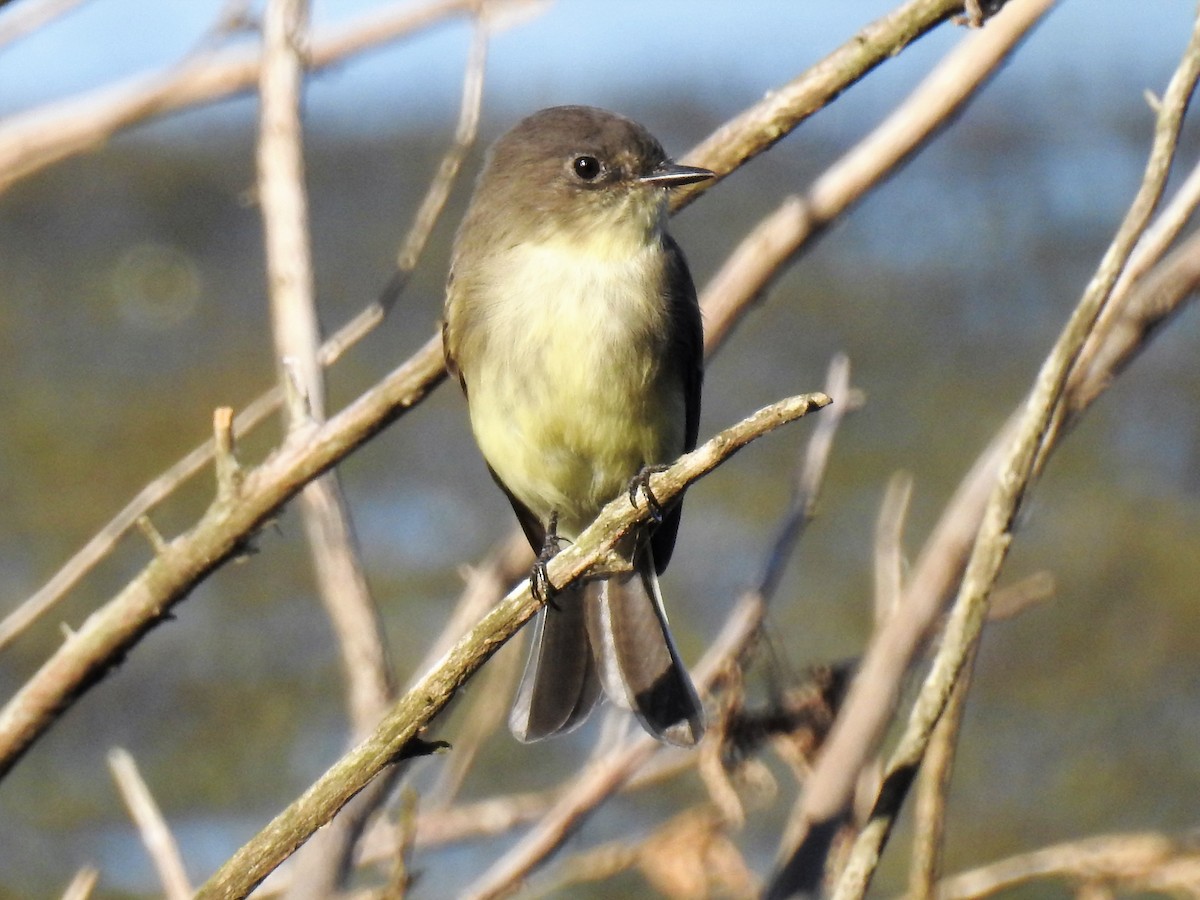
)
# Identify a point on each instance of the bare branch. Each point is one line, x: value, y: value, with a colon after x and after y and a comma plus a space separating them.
x: 284, y: 205
x: 1149, y: 251
x: 229, y: 473
x: 691, y: 855
x: 933, y: 786
x: 809, y: 477
x: 153, y: 536
x: 760, y: 127
x: 434, y: 202
x: 1145, y: 862
x: 486, y: 582
x: 1145, y: 308
x: 401, y: 876
x: 490, y: 817
x: 32, y: 15
x: 1013, y: 599
x: 482, y: 718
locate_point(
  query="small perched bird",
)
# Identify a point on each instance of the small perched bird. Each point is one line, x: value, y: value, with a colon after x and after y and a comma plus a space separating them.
x: 572, y: 324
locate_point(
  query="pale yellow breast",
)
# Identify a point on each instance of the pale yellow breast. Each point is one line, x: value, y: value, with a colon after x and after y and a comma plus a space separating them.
x: 571, y: 397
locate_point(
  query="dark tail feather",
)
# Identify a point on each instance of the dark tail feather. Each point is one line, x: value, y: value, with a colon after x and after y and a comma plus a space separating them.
x: 639, y: 665
x: 559, y: 687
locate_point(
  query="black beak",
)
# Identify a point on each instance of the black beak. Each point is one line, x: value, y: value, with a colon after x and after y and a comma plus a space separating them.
x: 668, y: 174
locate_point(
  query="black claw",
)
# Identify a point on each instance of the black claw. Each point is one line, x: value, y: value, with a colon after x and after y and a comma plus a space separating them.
x: 641, y: 481
x: 539, y: 585
x: 539, y: 579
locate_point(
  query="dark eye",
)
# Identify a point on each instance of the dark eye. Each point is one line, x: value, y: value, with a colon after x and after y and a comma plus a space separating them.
x: 586, y: 167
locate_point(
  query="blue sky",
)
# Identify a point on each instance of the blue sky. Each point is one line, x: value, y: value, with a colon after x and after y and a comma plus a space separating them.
x: 725, y: 54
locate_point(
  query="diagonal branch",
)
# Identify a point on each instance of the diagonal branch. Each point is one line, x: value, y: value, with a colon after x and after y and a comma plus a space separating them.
x: 397, y: 735
x: 30, y: 16
x: 157, y: 837
x: 33, y: 140
x: 225, y: 530
x: 761, y: 126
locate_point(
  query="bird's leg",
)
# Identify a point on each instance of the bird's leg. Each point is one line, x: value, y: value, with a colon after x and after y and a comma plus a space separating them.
x: 641, y: 481
x: 539, y: 579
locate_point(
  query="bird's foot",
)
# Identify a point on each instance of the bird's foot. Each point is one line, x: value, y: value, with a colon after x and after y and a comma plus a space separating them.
x: 641, y: 481
x: 539, y: 579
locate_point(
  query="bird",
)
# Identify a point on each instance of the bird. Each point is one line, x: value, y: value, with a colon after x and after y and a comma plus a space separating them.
x: 571, y: 323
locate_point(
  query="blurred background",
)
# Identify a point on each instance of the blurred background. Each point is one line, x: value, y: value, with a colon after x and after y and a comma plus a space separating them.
x: 132, y: 303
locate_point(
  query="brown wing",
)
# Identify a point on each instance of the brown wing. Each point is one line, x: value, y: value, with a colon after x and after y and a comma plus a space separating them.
x: 688, y: 356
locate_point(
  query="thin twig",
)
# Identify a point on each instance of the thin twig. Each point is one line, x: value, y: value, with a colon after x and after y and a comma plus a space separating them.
x: 487, y: 818
x: 1145, y: 862
x: 82, y: 884
x: 486, y: 583
x: 401, y: 876
x: 758, y: 128
x: 284, y: 203
x: 434, y: 201
x: 482, y: 718
x: 1013, y: 599
x: 889, y: 546
x: 809, y: 477
x: 690, y: 855
x: 463, y: 822
x: 156, y: 836
x: 30, y: 16
x: 933, y: 787
x: 225, y: 464
x: 1150, y: 249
